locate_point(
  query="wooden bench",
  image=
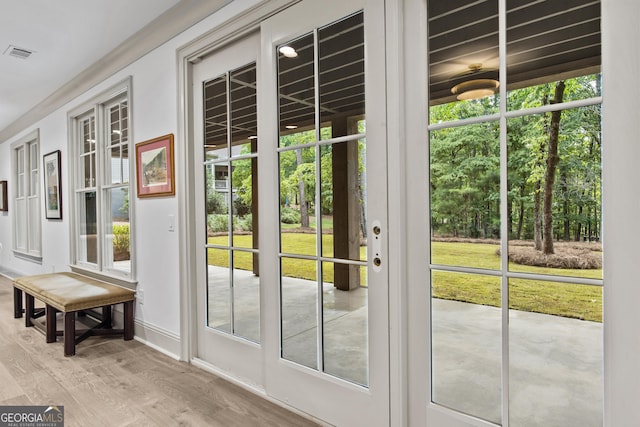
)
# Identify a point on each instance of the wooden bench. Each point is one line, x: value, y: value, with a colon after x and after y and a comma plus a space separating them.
x: 72, y: 294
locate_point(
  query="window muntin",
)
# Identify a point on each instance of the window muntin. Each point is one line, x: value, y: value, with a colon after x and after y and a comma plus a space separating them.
x: 27, y: 238
x: 102, y: 194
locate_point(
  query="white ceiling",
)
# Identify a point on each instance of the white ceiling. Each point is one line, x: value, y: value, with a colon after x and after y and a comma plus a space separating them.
x: 67, y: 36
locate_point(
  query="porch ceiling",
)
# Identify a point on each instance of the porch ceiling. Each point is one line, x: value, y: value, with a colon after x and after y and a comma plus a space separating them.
x: 546, y: 41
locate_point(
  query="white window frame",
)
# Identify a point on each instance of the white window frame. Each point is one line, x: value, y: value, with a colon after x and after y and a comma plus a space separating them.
x: 98, y: 107
x: 26, y: 191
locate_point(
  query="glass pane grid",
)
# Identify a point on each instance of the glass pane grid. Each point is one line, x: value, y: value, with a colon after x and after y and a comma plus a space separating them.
x: 322, y: 168
x: 230, y: 133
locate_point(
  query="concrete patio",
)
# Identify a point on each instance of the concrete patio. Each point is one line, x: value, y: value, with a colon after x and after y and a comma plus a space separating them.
x: 555, y: 363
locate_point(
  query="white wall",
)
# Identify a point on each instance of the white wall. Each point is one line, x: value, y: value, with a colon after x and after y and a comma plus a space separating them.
x: 154, y: 113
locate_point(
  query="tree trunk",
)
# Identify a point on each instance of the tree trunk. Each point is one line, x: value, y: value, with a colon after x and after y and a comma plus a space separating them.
x: 550, y: 173
x: 566, y: 235
x: 537, y: 221
x: 304, y: 212
x: 521, y: 213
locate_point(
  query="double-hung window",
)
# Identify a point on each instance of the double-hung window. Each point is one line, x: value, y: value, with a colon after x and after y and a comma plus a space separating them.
x: 100, y: 146
x: 27, y: 240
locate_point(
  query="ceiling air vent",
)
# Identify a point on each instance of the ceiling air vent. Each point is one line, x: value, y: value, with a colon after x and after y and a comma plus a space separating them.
x: 18, y: 52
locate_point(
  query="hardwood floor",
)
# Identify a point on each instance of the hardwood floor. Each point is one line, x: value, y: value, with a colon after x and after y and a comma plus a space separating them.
x: 110, y: 382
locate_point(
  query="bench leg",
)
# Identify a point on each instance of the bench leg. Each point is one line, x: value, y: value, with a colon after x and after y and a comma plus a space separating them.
x: 69, y: 333
x: 17, y: 303
x: 51, y: 323
x: 128, y: 320
x: 28, y: 309
x: 107, y: 320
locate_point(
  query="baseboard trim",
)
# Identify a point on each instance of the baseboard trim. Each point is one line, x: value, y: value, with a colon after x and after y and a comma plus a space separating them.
x: 159, y: 339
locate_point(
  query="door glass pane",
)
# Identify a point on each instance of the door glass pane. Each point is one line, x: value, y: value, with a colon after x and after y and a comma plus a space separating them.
x: 342, y: 197
x: 298, y: 215
x: 345, y: 318
x: 465, y: 195
x: 555, y: 228
x: 217, y: 201
x: 341, y: 75
x: 296, y: 87
x: 299, y: 311
x: 246, y: 296
x: 215, y: 119
x: 558, y: 40
x: 218, y: 289
x: 463, y: 58
x: 244, y: 112
x: 466, y: 343
x: 244, y: 213
x: 555, y: 359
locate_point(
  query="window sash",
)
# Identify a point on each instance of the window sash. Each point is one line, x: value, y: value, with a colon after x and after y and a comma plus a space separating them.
x: 26, y: 172
x: 101, y: 148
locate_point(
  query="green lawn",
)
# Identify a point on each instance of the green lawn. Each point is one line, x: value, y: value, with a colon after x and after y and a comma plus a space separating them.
x: 293, y: 243
x: 570, y: 300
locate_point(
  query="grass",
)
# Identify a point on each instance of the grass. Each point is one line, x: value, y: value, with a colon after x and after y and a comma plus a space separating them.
x: 540, y: 296
x: 562, y: 299
x: 327, y: 223
x: 292, y: 243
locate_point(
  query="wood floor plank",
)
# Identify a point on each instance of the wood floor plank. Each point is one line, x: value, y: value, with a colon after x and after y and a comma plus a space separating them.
x: 112, y: 383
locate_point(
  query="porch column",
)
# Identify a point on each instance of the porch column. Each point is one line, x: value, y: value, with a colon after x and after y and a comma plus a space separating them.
x: 346, y: 206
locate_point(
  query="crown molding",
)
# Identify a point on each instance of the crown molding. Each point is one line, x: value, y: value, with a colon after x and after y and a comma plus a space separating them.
x: 168, y: 25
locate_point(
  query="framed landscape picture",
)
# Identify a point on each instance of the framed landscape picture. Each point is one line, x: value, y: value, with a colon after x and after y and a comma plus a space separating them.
x: 53, y: 185
x: 155, y: 167
x: 3, y: 196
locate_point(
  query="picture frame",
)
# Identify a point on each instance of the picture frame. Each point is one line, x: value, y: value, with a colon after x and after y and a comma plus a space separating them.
x: 155, y: 173
x: 53, y: 184
x: 3, y: 197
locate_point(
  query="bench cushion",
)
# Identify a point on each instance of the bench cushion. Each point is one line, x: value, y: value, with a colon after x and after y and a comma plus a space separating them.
x: 72, y: 292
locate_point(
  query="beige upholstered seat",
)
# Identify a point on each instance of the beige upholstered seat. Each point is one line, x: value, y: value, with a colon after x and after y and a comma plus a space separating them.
x: 72, y: 292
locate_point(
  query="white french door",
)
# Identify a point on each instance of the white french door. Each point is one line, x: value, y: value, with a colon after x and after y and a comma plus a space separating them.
x: 291, y: 215
x: 228, y: 279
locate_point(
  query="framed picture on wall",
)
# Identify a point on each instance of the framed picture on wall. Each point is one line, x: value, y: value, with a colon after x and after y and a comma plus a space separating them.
x: 52, y: 185
x: 3, y: 196
x: 155, y: 167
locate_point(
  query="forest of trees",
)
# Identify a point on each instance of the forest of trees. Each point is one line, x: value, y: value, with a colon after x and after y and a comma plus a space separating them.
x: 553, y: 164
x: 553, y: 169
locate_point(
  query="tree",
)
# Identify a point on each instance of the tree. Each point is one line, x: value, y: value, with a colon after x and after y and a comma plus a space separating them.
x: 550, y: 174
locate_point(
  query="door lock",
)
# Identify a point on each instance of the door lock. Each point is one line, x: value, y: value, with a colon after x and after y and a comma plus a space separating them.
x: 376, y: 246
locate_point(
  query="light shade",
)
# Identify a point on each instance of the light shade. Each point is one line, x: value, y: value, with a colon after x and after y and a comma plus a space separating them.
x: 474, y: 89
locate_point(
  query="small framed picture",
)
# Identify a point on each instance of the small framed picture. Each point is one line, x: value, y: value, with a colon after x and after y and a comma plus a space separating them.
x: 3, y: 196
x: 155, y: 167
x: 53, y: 185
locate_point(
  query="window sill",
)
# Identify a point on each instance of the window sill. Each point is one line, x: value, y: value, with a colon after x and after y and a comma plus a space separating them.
x: 27, y: 257
x: 109, y: 278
